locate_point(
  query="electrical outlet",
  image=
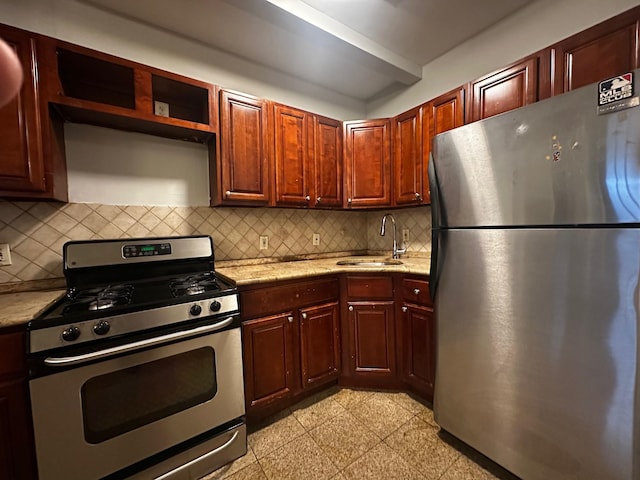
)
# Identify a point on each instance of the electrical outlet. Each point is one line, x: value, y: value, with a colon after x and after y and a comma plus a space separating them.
x: 405, y: 235
x: 264, y: 242
x: 5, y: 254
x: 161, y: 109
x: 316, y: 239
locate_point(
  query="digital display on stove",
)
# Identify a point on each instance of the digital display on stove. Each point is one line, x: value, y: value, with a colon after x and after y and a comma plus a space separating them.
x: 151, y: 249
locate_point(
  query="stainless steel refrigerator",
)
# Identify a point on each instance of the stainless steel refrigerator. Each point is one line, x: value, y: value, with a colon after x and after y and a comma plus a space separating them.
x: 536, y: 277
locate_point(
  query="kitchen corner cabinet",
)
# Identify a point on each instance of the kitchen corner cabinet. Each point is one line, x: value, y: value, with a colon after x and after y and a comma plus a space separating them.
x: 417, y: 333
x: 368, y: 163
x: 17, y: 455
x: 245, y: 162
x: 504, y: 90
x: 603, y: 51
x: 409, y: 186
x: 369, y: 333
x: 293, y: 173
x: 32, y: 149
x: 291, y: 341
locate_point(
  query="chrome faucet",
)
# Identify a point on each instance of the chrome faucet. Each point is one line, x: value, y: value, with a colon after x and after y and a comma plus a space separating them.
x: 396, y: 251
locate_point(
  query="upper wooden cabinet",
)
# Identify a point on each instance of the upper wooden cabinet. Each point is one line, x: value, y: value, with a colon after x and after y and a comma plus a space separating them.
x: 606, y: 50
x: 368, y: 163
x: 439, y: 115
x: 32, y: 149
x: 88, y: 86
x: 244, y: 163
x: 408, y: 163
x: 504, y: 90
x: 327, y: 162
x: 293, y: 176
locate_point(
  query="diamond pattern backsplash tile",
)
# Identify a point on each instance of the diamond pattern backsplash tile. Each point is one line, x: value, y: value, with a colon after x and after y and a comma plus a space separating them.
x: 36, y: 231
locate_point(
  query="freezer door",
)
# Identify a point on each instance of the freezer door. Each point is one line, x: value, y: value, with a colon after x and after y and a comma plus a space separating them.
x: 555, y: 162
x: 537, y: 349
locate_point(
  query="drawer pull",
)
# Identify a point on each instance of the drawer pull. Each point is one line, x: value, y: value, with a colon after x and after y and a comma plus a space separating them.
x: 304, y: 316
x: 351, y: 308
x: 416, y: 291
x: 404, y: 308
x: 290, y: 318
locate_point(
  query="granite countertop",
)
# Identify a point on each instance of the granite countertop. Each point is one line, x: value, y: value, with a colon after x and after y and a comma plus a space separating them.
x: 19, y: 307
x: 269, y: 272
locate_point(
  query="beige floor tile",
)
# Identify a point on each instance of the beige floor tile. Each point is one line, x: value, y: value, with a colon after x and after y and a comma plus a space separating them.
x: 300, y: 459
x: 408, y: 403
x: 427, y: 416
x: 311, y: 414
x: 380, y: 414
x: 349, y: 398
x: 250, y: 472
x: 419, y: 444
x: 231, y: 468
x: 344, y: 439
x: 381, y: 463
x: 274, y: 436
x: 465, y: 469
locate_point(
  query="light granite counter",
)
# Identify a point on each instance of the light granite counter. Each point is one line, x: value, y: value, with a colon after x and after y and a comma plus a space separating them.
x: 18, y: 308
x: 270, y: 272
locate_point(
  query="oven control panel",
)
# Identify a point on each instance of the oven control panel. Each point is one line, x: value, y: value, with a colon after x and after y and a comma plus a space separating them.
x: 132, y: 251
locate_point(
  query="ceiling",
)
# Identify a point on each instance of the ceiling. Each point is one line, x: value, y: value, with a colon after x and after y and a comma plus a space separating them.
x: 359, y: 48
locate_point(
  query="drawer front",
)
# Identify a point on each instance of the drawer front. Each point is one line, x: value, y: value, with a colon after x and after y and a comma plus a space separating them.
x: 278, y: 298
x: 370, y: 287
x: 12, y: 354
x: 416, y: 291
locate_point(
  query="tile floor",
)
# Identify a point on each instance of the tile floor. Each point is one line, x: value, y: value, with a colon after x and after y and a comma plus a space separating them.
x: 356, y: 434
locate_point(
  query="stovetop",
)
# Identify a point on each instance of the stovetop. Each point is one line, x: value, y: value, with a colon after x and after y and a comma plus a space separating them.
x: 120, y: 288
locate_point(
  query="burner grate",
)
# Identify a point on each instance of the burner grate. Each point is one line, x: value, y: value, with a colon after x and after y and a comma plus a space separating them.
x: 100, y: 298
x: 194, y: 284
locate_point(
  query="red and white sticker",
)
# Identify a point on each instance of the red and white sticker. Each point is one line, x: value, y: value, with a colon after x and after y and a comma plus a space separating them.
x: 615, y: 89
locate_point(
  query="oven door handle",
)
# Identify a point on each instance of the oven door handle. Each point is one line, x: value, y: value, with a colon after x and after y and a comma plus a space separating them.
x: 107, y: 352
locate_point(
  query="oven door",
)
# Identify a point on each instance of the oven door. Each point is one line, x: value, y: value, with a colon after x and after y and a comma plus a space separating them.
x: 100, y: 417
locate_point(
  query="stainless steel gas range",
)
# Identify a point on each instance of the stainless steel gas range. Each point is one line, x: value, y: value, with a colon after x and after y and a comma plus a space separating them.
x: 137, y: 371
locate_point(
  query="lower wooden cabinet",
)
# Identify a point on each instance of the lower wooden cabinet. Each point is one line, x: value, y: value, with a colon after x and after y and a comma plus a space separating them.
x: 17, y: 454
x: 293, y: 351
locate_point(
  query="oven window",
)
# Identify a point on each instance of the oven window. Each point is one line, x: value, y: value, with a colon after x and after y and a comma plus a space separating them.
x: 118, y: 402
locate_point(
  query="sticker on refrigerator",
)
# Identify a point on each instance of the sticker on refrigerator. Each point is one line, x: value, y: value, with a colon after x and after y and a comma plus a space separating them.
x: 616, y: 94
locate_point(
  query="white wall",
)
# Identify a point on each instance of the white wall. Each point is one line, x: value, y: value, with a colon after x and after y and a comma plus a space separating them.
x: 539, y: 25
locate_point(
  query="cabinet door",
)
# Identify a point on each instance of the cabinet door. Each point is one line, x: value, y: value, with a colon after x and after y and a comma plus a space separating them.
x: 439, y: 115
x: 418, y: 347
x: 407, y: 158
x: 327, y: 162
x: 372, y: 336
x: 505, y: 90
x: 319, y: 344
x: 293, y: 174
x: 245, y: 152
x: 368, y: 162
x: 16, y: 454
x: 601, y: 52
x: 22, y: 165
x: 268, y: 359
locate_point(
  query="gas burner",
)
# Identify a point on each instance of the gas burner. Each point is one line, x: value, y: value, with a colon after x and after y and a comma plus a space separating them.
x: 194, y: 284
x: 100, y: 298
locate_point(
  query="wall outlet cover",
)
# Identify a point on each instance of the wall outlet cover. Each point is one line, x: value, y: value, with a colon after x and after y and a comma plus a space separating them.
x: 264, y: 242
x: 161, y: 109
x: 5, y: 254
x: 405, y: 235
x: 316, y: 239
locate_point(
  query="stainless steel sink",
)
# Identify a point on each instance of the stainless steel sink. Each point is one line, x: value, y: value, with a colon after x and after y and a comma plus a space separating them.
x: 369, y: 263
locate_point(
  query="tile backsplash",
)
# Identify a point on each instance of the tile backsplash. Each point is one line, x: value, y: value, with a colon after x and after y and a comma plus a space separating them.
x: 36, y: 231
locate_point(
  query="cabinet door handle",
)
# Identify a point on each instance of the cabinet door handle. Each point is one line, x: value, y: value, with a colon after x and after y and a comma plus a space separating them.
x: 418, y: 197
x: 304, y: 316
x: 307, y: 198
x: 290, y: 318
x: 404, y: 308
x: 416, y: 291
x: 349, y: 201
x: 351, y: 308
x: 317, y: 200
x: 227, y: 194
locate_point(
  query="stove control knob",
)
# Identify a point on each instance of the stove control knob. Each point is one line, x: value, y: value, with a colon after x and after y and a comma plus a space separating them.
x: 101, y: 328
x: 195, y: 309
x: 70, y: 334
x: 215, y: 306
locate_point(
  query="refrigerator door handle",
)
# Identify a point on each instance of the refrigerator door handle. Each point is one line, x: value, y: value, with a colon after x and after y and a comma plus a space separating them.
x: 435, y: 227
